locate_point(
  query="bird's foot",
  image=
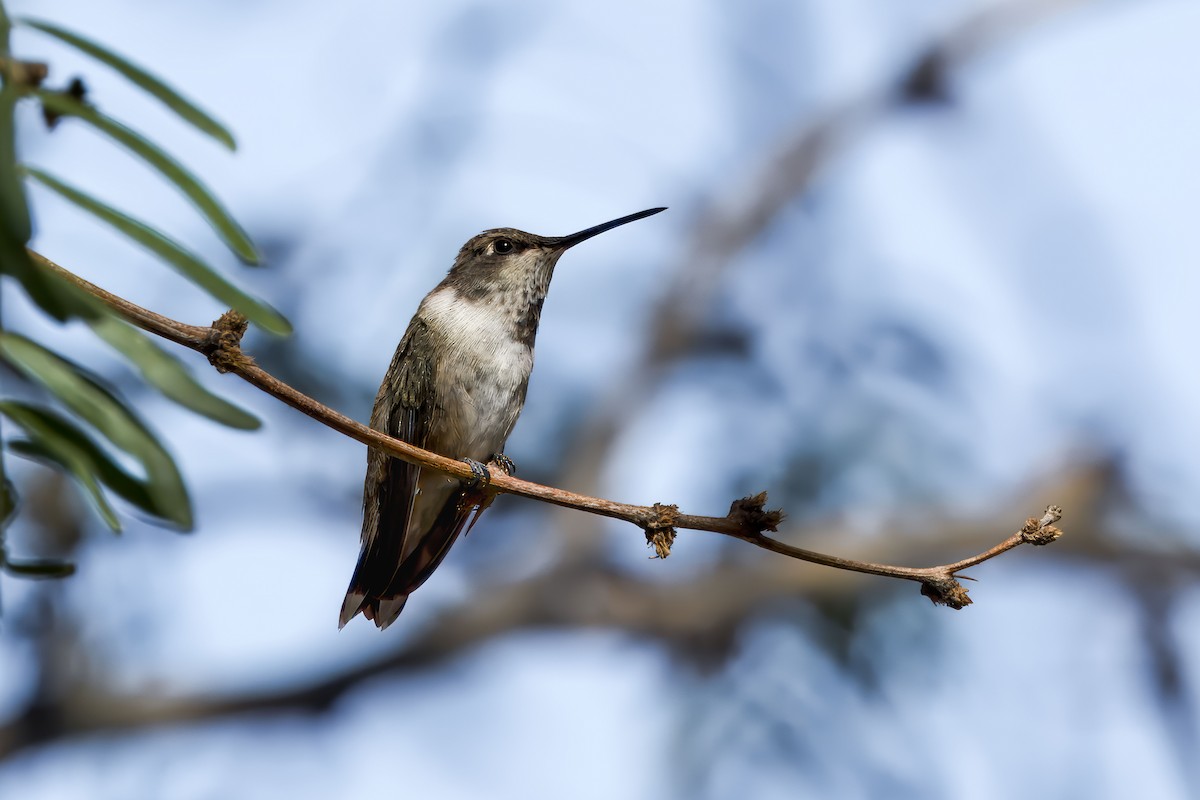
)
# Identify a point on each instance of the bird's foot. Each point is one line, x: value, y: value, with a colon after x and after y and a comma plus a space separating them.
x: 503, y: 463
x: 477, y: 493
x: 481, y: 475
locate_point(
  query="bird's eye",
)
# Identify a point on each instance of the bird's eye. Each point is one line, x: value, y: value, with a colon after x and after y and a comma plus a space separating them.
x: 503, y: 246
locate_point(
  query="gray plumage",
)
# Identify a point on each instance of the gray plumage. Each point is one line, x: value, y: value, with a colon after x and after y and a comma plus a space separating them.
x: 456, y: 386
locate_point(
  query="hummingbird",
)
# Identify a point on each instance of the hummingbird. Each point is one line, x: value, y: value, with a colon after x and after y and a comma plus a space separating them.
x: 455, y: 386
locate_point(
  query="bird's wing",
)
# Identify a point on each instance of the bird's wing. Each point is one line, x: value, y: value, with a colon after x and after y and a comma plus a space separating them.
x: 428, y: 552
x: 404, y: 409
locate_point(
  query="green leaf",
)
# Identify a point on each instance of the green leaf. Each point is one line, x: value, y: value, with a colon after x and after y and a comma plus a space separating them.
x: 167, y: 374
x: 52, y: 434
x: 56, y: 440
x: 39, y: 568
x: 208, y: 205
x: 54, y: 295
x: 173, y: 253
x: 90, y: 401
x: 15, y: 226
x: 14, y: 211
x: 8, y: 500
x: 70, y: 462
x: 139, y: 76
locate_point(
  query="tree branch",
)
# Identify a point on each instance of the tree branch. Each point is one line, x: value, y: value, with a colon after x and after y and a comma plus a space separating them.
x: 751, y: 197
x: 747, y: 519
x: 697, y: 617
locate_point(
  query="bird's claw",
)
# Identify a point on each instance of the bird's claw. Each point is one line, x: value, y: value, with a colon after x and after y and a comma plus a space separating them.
x: 481, y: 475
x: 503, y: 463
x: 477, y: 493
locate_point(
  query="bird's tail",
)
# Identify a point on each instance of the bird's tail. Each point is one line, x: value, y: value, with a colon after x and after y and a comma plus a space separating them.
x: 383, y: 579
x: 369, y: 592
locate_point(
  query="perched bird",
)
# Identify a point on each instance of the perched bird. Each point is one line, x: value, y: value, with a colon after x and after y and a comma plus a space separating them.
x: 455, y: 386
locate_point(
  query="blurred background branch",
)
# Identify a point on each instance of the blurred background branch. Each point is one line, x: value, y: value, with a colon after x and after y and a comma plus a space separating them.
x: 697, y: 618
x: 747, y: 519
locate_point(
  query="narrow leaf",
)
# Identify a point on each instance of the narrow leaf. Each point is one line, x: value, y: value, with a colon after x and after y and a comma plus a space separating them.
x: 57, y: 297
x: 15, y: 226
x: 183, y: 260
x: 172, y: 99
x: 166, y: 373
x: 108, y: 415
x: 221, y: 220
x: 48, y: 427
x: 39, y: 568
x: 70, y: 462
x: 53, y: 439
x: 8, y: 500
x: 14, y: 211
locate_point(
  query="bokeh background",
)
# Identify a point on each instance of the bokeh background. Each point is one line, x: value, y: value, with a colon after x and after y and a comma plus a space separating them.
x: 927, y: 267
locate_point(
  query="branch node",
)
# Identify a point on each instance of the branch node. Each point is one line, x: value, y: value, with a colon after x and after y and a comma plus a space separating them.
x: 1042, y: 531
x: 223, y: 345
x: 945, y: 591
x: 660, y: 531
x: 24, y: 74
x: 749, y: 514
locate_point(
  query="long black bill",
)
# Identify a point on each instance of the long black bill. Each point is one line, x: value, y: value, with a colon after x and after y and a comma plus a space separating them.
x: 573, y: 239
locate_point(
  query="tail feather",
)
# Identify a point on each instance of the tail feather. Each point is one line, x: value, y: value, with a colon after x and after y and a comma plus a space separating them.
x: 368, y: 592
x: 383, y: 611
x: 353, y: 604
x: 383, y: 579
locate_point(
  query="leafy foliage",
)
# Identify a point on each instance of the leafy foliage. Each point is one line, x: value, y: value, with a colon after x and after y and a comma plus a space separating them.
x: 172, y: 99
x: 173, y: 253
x: 99, y: 437
x: 164, y: 495
x: 63, y: 104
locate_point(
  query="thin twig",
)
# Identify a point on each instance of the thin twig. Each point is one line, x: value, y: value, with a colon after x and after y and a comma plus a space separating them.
x: 696, y: 616
x: 747, y: 519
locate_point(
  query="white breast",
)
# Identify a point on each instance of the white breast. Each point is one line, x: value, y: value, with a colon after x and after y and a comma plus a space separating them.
x: 480, y: 386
